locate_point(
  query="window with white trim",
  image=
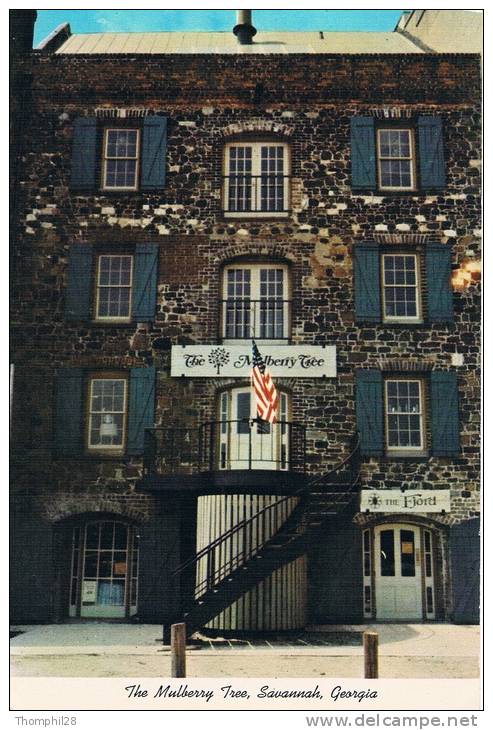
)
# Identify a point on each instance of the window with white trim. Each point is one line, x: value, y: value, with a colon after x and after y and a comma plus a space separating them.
x: 404, y: 415
x: 256, y: 179
x: 107, y: 413
x: 396, y: 159
x: 120, y: 159
x: 256, y: 302
x: 401, y: 288
x: 114, y: 287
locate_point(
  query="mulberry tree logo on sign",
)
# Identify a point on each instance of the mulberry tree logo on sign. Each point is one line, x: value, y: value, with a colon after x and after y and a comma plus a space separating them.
x: 219, y: 357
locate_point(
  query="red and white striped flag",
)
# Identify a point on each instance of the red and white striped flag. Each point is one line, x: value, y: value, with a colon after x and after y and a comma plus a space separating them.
x: 264, y: 389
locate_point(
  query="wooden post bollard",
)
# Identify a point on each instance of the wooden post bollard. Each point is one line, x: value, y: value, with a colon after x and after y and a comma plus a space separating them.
x: 370, y: 646
x: 178, y: 646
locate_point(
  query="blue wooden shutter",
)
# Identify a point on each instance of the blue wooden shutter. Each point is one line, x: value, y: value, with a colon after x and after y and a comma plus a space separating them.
x: 465, y: 571
x: 140, y: 407
x: 438, y: 273
x: 84, y: 142
x: 68, y: 415
x: 153, y: 153
x: 431, y: 157
x: 145, y: 282
x: 444, y: 413
x: 369, y: 411
x: 367, y: 304
x: 363, y: 162
x: 79, y: 282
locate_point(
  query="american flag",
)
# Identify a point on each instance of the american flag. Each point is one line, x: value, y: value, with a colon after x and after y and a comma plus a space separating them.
x: 264, y: 389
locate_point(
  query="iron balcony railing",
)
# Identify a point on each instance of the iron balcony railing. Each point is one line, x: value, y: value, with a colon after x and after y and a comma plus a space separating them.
x: 263, y: 319
x: 268, y: 193
x: 226, y: 445
x: 252, y: 444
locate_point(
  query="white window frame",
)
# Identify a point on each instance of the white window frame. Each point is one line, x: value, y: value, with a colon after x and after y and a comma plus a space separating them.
x: 101, y: 318
x: 256, y: 147
x: 106, y: 158
x: 411, y: 158
x: 112, y: 448
x: 417, y: 287
x: 255, y: 284
x: 131, y: 580
x: 405, y: 449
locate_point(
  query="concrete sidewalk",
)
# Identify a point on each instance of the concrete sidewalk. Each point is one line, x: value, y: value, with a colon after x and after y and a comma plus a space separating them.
x: 106, y: 649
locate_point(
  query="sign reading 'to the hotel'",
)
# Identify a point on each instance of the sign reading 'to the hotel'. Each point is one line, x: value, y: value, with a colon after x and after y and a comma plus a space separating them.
x: 226, y: 361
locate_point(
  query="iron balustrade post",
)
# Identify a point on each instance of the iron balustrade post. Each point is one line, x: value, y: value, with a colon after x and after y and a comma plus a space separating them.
x: 211, y: 446
x: 250, y: 429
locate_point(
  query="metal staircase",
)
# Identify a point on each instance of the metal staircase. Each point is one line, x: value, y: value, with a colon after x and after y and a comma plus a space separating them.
x: 324, y: 498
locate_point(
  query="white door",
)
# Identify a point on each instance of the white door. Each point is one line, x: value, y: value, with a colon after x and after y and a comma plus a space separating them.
x: 246, y: 443
x: 398, y: 590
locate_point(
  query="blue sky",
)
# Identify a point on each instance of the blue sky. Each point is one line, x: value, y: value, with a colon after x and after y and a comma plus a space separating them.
x: 94, y: 21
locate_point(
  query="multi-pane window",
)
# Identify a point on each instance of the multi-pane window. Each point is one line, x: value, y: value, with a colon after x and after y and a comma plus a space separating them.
x: 400, y: 279
x: 104, y: 570
x: 114, y: 287
x: 107, y: 413
x: 404, y: 414
x: 256, y: 179
x: 120, y: 161
x: 396, y: 159
x: 255, y: 302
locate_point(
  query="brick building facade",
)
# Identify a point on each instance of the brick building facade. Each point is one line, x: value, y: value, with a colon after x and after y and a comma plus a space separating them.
x: 171, y: 204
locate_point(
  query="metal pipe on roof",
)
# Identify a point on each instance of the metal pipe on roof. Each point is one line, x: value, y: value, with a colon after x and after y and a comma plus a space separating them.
x: 244, y: 30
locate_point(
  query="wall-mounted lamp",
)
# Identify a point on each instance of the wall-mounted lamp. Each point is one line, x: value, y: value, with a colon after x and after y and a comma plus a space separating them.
x: 468, y: 273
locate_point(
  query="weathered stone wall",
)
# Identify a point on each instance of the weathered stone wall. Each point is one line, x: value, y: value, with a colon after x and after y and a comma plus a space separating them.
x: 306, y: 102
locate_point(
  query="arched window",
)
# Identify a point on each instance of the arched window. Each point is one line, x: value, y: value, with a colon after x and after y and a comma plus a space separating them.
x: 256, y: 179
x: 104, y: 570
x: 256, y: 301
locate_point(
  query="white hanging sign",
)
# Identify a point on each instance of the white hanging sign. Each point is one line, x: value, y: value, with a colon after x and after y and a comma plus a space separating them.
x: 412, y: 500
x: 226, y: 361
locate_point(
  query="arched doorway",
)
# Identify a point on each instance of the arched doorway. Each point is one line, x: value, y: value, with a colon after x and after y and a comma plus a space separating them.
x: 103, y: 570
x: 246, y: 443
x: 399, y: 572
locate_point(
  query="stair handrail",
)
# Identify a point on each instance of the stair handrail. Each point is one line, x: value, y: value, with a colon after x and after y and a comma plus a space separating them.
x: 323, y: 477
x: 215, y: 576
x: 224, y: 571
x: 244, y: 523
x: 232, y: 530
